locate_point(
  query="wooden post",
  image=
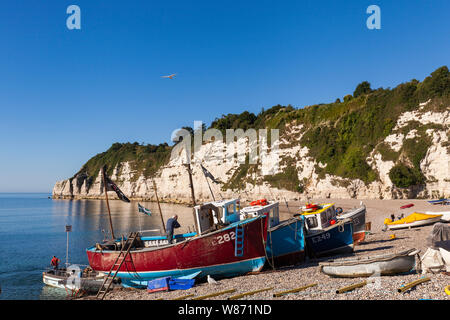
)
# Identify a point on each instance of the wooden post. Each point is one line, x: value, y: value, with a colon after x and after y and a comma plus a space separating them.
x: 159, y: 206
x: 107, y: 203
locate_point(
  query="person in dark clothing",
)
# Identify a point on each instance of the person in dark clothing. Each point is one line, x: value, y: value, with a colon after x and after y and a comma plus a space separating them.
x: 172, y: 223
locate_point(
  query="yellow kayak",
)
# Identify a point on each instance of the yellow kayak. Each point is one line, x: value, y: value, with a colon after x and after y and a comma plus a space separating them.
x: 415, y: 219
x: 447, y: 290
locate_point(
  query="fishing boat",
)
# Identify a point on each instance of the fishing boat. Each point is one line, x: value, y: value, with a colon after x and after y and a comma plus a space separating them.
x: 74, y: 279
x: 222, y: 246
x: 406, y: 206
x: 445, y: 215
x: 358, y: 217
x: 381, y: 265
x: 440, y: 201
x: 285, y: 239
x: 325, y: 234
x: 415, y: 219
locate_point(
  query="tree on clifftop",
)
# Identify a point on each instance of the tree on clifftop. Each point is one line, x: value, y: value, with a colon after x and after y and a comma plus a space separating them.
x: 362, y: 88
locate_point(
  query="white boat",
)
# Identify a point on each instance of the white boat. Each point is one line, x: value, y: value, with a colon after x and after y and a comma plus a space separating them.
x: 358, y: 217
x: 415, y: 219
x: 381, y: 265
x: 445, y: 215
x: 73, y: 279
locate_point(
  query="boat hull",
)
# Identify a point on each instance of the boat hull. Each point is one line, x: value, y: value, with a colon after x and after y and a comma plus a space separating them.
x: 64, y: 282
x: 413, y: 224
x: 336, y: 239
x: 286, y: 243
x: 358, y: 217
x: 381, y: 266
x: 440, y: 201
x: 445, y: 215
x: 210, y: 254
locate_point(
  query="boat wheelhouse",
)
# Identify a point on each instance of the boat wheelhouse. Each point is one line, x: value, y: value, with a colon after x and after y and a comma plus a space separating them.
x: 285, y: 239
x: 325, y: 233
x: 214, y: 215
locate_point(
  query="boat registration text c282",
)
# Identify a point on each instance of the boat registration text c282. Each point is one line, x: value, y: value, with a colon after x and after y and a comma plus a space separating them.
x: 224, y: 238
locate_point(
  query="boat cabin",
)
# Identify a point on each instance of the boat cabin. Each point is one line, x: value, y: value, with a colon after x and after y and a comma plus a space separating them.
x: 211, y: 216
x: 272, y: 208
x: 317, y: 220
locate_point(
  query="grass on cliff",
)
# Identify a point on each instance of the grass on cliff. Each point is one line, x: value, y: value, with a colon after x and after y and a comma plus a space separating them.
x: 144, y: 160
x: 341, y: 135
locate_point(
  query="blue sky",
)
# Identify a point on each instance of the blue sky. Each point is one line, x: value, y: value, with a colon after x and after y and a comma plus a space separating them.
x: 66, y: 95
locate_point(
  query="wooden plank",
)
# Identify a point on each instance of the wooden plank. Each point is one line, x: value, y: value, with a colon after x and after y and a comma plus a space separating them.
x: 184, y: 297
x: 412, y: 284
x: 352, y: 287
x: 214, y: 294
x: 249, y: 293
x: 279, y: 294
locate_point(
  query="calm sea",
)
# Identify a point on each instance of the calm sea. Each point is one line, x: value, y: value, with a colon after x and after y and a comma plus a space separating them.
x: 32, y: 230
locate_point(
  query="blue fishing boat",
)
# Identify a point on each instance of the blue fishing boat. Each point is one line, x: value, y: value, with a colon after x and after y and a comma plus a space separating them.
x: 285, y: 239
x: 325, y: 233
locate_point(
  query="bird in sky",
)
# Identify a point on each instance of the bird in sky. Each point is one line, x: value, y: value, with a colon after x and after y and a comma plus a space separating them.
x: 169, y: 76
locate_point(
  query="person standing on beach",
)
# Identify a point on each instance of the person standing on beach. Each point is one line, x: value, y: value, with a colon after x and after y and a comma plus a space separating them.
x: 55, y: 262
x: 172, y: 223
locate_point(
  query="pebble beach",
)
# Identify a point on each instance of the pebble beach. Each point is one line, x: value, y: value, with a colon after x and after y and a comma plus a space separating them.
x: 377, y: 242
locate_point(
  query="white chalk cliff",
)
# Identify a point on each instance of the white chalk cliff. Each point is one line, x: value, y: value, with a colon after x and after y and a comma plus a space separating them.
x: 172, y: 178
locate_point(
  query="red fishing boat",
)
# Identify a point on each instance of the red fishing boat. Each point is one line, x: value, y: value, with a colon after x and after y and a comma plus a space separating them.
x: 221, y: 247
x: 407, y: 206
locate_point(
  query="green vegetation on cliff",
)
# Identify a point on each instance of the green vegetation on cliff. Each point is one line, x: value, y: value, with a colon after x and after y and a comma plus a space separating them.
x: 143, y: 159
x: 339, y: 135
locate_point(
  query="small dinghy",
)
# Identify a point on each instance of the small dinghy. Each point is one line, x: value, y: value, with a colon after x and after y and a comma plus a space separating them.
x: 407, y: 206
x: 310, y: 207
x: 413, y: 220
x: 382, y: 265
x: 74, y: 279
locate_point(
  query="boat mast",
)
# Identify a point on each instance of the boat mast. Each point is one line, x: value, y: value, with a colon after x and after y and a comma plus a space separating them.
x: 107, y: 203
x: 157, y: 200
x: 68, y: 229
x: 191, y: 184
x: 212, y: 194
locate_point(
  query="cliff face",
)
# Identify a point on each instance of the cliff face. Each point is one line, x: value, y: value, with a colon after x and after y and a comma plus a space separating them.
x: 379, y: 144
x: 172, y: 179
